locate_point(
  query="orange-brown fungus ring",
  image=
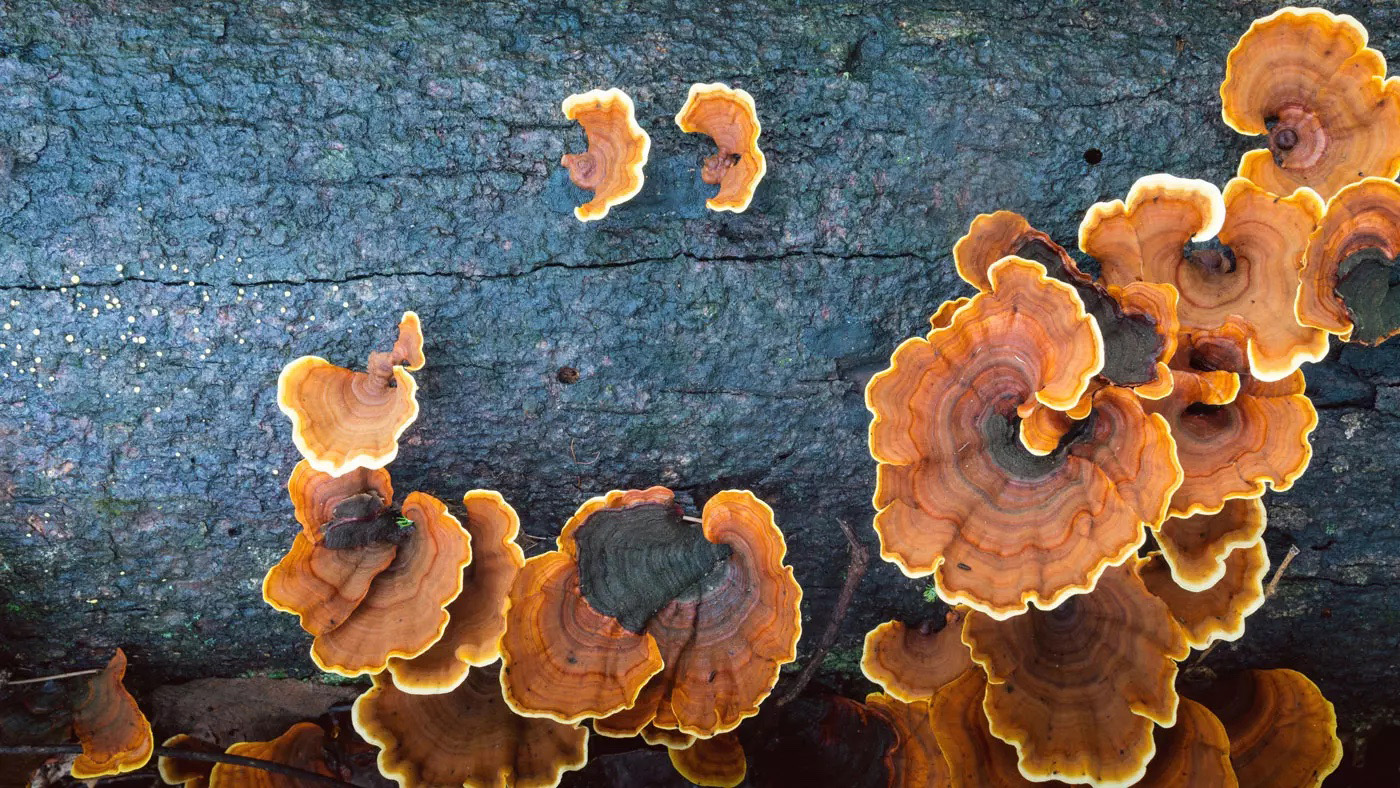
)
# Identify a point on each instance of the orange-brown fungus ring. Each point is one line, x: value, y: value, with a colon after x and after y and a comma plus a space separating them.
x: 617, y: 152
x: 729, y: 117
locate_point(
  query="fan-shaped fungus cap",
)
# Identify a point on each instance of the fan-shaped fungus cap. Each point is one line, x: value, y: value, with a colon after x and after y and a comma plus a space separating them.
x: 715, y: 606
x: 717, y: 761
x: 1347, y: 278
x: 1231, y: 449
x: 1218, y: 612
x: 403, y: 613
x: 961, y: 498
x: 1282, y: 730
x: 671, y: 740
x: 1139, y: 334
x: 911, y: 663
x: 183, y: 772
x: 302, y: 747
x: 466, y: 736
x: 617, y: 152
x: 1194, y: 548
x: 728, y: 116
x: 1249, y: 276
x: 477, y: 617
x: 1306, y: 78
x: 342, y: 419
x: 1076, y: 689
x: 115, y: 735
x: 915, y: 760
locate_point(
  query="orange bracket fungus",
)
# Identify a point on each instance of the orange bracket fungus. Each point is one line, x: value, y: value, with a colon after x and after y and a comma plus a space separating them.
x: 1138, y: 326
x: 957, y: 494
x: 727, y: 116
x: 342, y: 419
x: 718, y: 761
x: 1218, y: 612
x: 646, y: 617
x: 1282, y: 730
x: 115, y: 735
x: 466, y: 736
x: 477, y: 616
x: 1195, y: 547
x: 186, y: 772
x: 1076, y: 689
x: 1349, y: 279
x: 911, y: 663
x: 915, y: 760
x: 302, y: 747
x: 1305, y: 77
x: 617, y: 152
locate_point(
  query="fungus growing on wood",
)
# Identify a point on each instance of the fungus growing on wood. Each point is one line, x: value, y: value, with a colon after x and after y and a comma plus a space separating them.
x: 915, y: 760
x: 302, y: 747
x: 728, y: 116
x: 404, y: 611
x: 1195, y: 751
x: 1218, y: 612
x: 342, y: 419
x: 1247, y: 274
x: 1350, y: 281
x: 477, y: 617
x: 1282, y: 730
x: 958, y: 495
x: 642, y: 613
x: 1076, y: 689
x: 184, y: 772
x: 911, y: 663
x: 671, y: 740
x: 617, y: 152
x: 1194, y: 548
x: 944, y: 314
x: 115, y: 735
x: 1139, y: 332
x: 339, y: 508
x: 716, y: 761
x: 466, y: 736
x: 1306, y: 78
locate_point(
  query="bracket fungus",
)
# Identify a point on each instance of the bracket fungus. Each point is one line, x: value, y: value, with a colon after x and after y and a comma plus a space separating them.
x: 1282, y: 730
x: 915, y: 760
x: 342, y: 419
x: 728, y: 116
x: 1138, y: 327
x: 717, y: 761
x: 957, y: 494
x: 1194, y: 548
x: 115, y: 735
x: 1242, y: 279
x: 467, y: 736
x: 476, y: 618
x: 1350, y: 280
x: 912, y: 663
x: 186, y: 772
x: 302, y: 747
x: 1305, y: 77
x: 1077, y: 689
x: 1217, y: 612
x: 617, y: 152
x: 642, y: 613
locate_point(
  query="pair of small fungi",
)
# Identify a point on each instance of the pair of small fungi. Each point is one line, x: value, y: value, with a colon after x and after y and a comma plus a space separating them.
x: 618, y: 147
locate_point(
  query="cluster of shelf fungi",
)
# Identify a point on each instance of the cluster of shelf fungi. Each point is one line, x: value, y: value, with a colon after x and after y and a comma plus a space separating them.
x: 1075, y: 461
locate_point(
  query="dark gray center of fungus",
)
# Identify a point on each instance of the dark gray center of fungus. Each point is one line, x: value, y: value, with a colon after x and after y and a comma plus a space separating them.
x: 1368, y: 282
x: 1211, y: 256
x: 1003, y: 441
x: 362, y: 520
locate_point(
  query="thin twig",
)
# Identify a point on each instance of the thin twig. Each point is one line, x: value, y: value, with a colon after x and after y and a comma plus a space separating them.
x: 855, y: 570
x: 191, y: 755
x: 52, y: 678
x: 1268, y: 590
x: 690, y: 519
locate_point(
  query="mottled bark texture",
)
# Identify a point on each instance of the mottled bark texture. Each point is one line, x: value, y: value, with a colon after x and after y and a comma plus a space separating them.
x: 192, y: 195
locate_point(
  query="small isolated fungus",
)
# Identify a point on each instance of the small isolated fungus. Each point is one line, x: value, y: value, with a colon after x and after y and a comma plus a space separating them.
x: 1218, y: 612
x: 729, y: 117
x: 1194, y: 548
x: 644, y: 617
x: 115, y: 735
x: 1076, y: 689
x: 717, y: 761
x: 467, y: 736
x: 342, y: 419
x: 911, y: 663
x: 1282, y: 730
x: 1306, y: 78
x: 915, y: 760
x: 957, y: 494
x: 302, y: 747
x: 1350, y: 281
x: 1246, y: 279
x: 1138, y: 328
x: 185, y: 772
x: 1232, y: 446
x: 617, y: 152
x: 477, y: 617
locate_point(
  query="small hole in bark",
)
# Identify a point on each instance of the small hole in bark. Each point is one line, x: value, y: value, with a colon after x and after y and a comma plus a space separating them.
x: 233, y: 532
x: 1093, y: 155
x: 566, y: 375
